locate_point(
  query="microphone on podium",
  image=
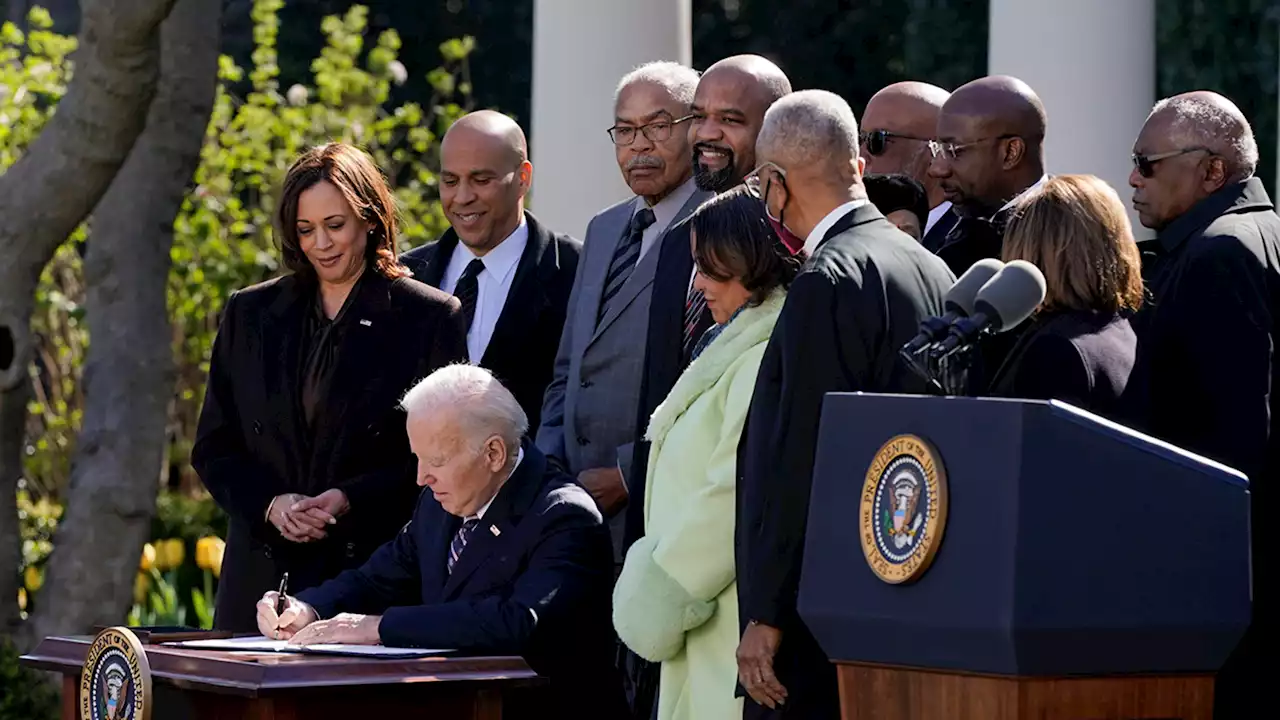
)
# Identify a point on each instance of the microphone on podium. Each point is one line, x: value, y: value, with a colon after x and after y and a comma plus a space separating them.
x: 958, y: 304
x: 1007, y: 299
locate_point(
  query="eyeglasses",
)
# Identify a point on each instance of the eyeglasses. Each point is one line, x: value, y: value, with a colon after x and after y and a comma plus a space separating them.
x: 1146, y: 164
x: 952, y: 150
x: 877, y: 141
x: 657, y: 131
x: 753, y: 183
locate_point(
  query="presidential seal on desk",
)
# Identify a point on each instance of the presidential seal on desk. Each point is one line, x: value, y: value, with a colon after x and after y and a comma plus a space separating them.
x: 115, y: 683
x: 903, y: 509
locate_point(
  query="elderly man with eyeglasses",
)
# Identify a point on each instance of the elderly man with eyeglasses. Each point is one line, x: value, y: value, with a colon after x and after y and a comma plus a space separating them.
x: 1206, y: 372
x: 863, y: 292
x: 988, y: 151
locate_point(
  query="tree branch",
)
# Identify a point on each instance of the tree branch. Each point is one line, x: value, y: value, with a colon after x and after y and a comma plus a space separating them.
x: 129, y: 375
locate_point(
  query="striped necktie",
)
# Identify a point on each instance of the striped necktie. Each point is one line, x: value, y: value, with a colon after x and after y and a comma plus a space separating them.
x: 694, y: 305
x: 625, y: 258
x: 468, y: 290
x: 460, y: 540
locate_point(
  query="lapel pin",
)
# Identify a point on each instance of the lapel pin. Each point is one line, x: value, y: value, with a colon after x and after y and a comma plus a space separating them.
x: 494, y: 529
x: 366, y: 323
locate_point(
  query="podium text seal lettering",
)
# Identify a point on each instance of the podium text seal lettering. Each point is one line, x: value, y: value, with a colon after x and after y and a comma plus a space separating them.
x: 115, y: 683
x: 903, y: 510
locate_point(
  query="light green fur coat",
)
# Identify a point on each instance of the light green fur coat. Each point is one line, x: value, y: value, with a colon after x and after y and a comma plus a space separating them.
x: 676, y: 601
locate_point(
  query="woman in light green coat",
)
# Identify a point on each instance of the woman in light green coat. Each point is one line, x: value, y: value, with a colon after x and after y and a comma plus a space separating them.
x: 676, y: 600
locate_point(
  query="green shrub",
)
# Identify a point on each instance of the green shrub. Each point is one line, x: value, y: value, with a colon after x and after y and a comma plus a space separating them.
x: 24, y: 694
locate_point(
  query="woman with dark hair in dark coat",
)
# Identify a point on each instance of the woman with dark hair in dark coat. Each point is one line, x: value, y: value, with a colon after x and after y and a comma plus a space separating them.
x: 1078, y: 347
x: 300, y: 439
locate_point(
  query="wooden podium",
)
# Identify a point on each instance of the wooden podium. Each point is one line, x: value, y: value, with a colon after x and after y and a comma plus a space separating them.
x: 988, y: 559
x: 217, y: 685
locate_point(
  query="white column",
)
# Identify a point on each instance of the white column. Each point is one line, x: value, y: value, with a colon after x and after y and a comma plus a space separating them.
x: 1092, y: 62
x: 581, y: 49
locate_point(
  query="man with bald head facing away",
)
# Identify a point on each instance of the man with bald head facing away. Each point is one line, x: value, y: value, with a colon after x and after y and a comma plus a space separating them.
x: 897, y: 126
x: 989, y: 150
x: 512, y: 274
x: 861, y: 296
x: 1206, y: 374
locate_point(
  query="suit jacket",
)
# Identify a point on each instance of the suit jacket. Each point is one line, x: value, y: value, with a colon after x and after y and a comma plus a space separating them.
x: 589, y: 415
x: 937, y: 235
x: 252, y: 443
x: 523, y: 348
x: 664, y: 358
x: 1206, y: 374
x: 1082, y: 358
x: 859, y: 299
x: 534, y: 580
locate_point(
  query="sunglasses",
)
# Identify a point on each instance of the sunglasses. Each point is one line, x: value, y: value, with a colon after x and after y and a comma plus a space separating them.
x: 877, y: 141
x: 1146, y: 164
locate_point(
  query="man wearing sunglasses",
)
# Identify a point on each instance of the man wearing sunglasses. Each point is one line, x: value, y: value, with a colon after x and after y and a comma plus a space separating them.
x: 1206, y: 373
x: 989, y: 151
x: 863, y: 292
x: 897, y: 126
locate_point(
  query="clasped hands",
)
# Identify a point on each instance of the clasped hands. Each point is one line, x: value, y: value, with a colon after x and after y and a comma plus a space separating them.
x: 302, y: 519
x: 300, y: 625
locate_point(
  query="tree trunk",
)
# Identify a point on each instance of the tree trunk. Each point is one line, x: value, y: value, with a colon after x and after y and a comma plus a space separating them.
x: 129, y: 376
x: 50, y: 190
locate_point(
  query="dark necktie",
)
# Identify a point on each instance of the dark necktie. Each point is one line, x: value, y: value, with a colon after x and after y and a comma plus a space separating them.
x: 625, y: 258
x: 468, y: 289
x: 460, y: 541
x: 694, y: 304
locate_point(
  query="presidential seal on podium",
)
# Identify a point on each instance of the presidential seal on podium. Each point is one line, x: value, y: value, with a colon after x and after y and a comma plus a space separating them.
x: 115, y: 683
x: 903, y: 509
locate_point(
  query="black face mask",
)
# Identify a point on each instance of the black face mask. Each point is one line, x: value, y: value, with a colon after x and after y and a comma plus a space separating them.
x: 716, y: 181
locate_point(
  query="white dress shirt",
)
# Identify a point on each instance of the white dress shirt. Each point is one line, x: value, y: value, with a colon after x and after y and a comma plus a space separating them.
x: 935, y: 215
x: 663, y: 213
x: 820, y: 230
x: 1043, y: 179
x: 494, y: 284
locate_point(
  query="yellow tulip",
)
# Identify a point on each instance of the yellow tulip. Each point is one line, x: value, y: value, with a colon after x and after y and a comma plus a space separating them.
x: 22, y: 598
x: 169, y: 554
x: 33, y: 578
x: 141, y: 584
x: 209, y: 553
x: 148, y: 558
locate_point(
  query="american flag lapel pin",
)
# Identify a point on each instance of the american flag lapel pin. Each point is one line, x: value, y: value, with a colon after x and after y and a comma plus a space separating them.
x: 366, y: 323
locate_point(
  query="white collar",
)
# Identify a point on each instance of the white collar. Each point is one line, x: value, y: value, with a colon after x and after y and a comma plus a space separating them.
x: 1043, y: 179
x: 820, y: 230
x: 668, y: 207
x: 503, y: 258
x: 483, y: 508
x: 936, y: 214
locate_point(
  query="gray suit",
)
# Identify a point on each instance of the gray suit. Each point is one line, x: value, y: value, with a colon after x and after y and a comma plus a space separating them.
x: 589, y: 410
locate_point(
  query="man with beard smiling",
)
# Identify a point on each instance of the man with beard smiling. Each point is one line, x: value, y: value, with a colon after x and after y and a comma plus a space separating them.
x: 728, y: 109
x: 512, y: 274
x: 589, y: 410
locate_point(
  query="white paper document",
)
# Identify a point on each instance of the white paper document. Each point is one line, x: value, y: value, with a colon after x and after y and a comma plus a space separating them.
x: 260, y: 644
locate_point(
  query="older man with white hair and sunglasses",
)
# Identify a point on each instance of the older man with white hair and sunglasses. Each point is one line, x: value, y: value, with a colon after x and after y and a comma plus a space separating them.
x: 863, y: 292
x: 504, y: 555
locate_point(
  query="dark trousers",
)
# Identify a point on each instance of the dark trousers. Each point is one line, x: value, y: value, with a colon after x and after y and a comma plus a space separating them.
x: 810, y: 679
x: 640, y: 680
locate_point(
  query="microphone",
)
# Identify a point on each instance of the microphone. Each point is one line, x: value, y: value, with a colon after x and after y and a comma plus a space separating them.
x: 1003, y: 302
x: 958, y: 304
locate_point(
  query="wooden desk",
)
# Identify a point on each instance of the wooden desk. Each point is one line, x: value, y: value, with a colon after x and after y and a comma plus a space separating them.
x: 218, y: 685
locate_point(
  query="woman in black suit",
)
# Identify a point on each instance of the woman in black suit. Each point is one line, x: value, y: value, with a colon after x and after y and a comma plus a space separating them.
x: 1078, y: 347
x: 301, y: 440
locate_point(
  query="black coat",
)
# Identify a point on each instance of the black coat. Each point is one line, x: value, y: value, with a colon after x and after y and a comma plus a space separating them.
x: 664, y: 359
x: 859, y: 299
x: 522, y: 351
x: 252, y: 445
x: 1206, y: 377
x: 541, y: 548
x: 1081, y: 358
